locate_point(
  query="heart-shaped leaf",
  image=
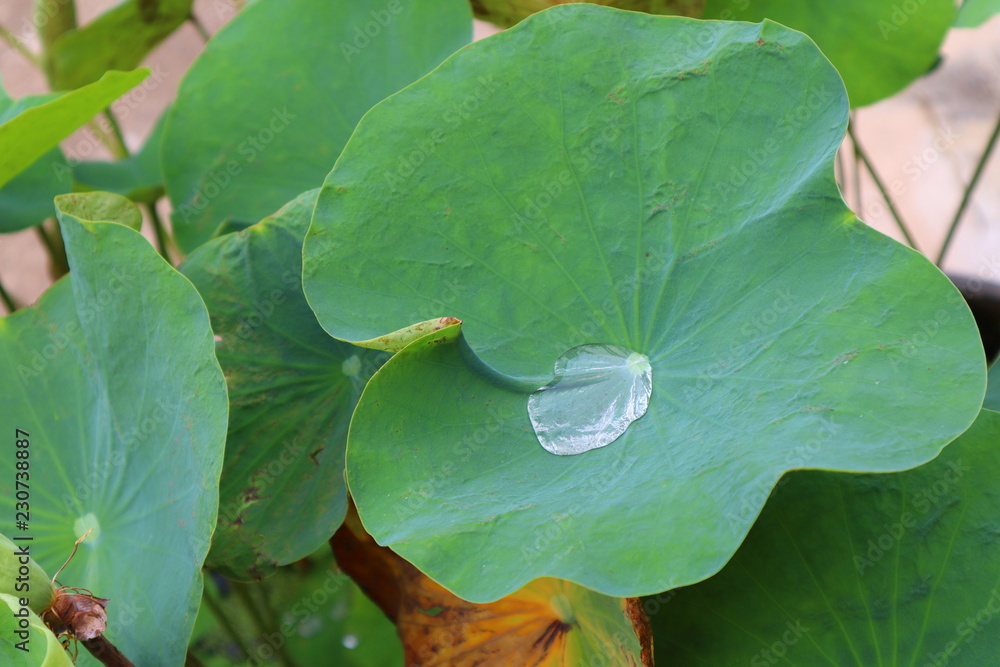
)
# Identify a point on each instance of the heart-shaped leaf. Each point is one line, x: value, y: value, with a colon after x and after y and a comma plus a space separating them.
x: 292, y: 389
x: 255, y: 123
x: 676, y: 200
x: 113, y: 378
x: 840, y: 569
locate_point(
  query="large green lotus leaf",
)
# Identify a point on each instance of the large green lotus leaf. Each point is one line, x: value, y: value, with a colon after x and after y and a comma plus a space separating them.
x: 258, y: 120
x: 137, y: 176
x: 878, y: 46
x: 38, y: 129
x: 974, y: 13
x: 676, y: 200
x: 117, y: 39
x: 113, y: 376
x: 840, y: 569
x: 292, y: 389
x: 38, y: 647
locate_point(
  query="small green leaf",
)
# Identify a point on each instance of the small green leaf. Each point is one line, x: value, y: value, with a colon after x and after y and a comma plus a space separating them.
x: 897, y: 569
x: 255, y: 122
x: 37, y: 130
x: 118, y: 39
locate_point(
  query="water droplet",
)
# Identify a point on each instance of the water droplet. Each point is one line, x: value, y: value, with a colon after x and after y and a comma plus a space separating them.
x: 350, y: 641
x: 597, y: 392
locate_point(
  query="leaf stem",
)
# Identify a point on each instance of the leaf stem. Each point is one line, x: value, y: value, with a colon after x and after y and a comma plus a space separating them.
x: 881, y: 189
x: 159, y: 231
x: 265, y: 629
x: 55, y: 248
x: 857, y: 165
x: 224, y: 622
x: 116, y: 132
x: 19, y: 46
x: 52, y: 19
x: 967, y: 195
x: 7, y: 300
x: 200, y: 27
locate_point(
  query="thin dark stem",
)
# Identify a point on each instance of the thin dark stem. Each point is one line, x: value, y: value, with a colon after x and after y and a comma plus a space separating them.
x: 106, y: 652
x: 881, y: 189
x: 7, y: 300
x: 857, y: 166
x: 263, y: 627
x: 159, y: 231
x: 967, y: 196
x: 54, y: 246
x: 116, y: 132
x: 11, y: 38
x: 199, y: 26
x: 224, y: 622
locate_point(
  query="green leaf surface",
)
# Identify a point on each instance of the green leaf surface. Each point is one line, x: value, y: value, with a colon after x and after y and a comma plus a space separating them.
x: 118, y: 39
x: 256, y: 122
x: 38, y: 129
x: 974, y: 13
x: 26, y: 200
x: 114, y: 378
x: 840, y: 569
x: 878, y: 46
x: 20, y: 575
x: 292, y: 390
x: 137, y: 177
x: 655, y: 201
x: 38, y: 648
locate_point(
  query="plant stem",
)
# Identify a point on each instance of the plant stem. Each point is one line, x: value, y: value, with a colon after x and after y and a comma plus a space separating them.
x: 106, y: 652
x: 159, y: 231
x: 881, y: 189
x: 116, y: 132
x: 19, y: 46
x: 263, y: 626
x: 52, y: 19
x: 55, y: 248
x: 7, y: 300
x: 967, y: 195
x: 857, y: 164
x: 205, y: 35
x: 225, y: 624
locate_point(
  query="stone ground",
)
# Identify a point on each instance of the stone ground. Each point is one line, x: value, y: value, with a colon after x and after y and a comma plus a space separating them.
x: 924, y: 142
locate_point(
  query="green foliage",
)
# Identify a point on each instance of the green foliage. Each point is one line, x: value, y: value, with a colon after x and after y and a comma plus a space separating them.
x: 858, y: 569
x: 257, y: 120
x: 126, y: 409
x: 773, y: 320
